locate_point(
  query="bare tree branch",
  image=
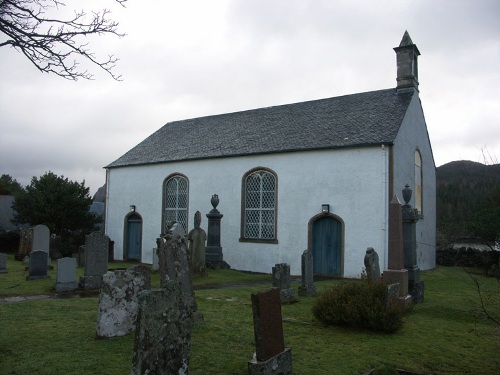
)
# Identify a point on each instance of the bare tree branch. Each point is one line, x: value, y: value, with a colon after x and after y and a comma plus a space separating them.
x: 56, y: 45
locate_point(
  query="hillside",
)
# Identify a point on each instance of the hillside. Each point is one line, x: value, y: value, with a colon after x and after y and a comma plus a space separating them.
x: 462, y: 187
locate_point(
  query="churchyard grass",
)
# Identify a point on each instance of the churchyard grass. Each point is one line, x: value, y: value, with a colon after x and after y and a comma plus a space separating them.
x: 444, y: 335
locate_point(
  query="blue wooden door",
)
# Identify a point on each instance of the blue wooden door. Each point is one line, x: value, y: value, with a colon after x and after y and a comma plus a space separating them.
x: 134, y: 237
x: 327, y: 246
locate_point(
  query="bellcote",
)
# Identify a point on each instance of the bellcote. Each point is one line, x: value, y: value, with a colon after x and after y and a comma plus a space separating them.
x: 407, y: 67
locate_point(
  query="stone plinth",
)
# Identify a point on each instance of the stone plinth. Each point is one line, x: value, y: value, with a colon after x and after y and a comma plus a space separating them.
x: 280, y: 364
x: 397, y: 276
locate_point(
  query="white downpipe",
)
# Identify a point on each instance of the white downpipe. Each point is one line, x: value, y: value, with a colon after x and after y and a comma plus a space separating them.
x: 385, y: 193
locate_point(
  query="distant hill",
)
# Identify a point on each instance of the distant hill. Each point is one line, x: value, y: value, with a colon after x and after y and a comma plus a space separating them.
x: 100, y: 195
x: 461, y: 188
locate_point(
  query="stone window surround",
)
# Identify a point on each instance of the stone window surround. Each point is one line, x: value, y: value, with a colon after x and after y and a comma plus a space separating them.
x: 164, y: 200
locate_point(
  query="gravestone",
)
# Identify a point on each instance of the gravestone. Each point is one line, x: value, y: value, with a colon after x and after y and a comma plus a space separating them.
x: 372, y: 265
x: 307, y: 287
x: 25, y: 243
x: 156, y: 262
x: 3, y: 263
x: 271, y: 356
x: 213, y: 251
x: 96, y: 260
x: 197, y: 238
x: 81, y: 256
x: 119, y: 300
x: 162, y: 341
x: 410, y: 219
x: 396, y: 273
x: 41, y: 240
x: 282, y: 281
x: 66, y: 275
x: 38, y: 265
x: 174, y: 265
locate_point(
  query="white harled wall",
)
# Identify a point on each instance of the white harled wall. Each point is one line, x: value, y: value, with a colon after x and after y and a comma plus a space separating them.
x: 412, y: 136
x: 352, y: 181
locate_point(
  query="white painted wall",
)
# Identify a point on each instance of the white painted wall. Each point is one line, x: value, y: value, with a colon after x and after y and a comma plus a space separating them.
x: 353, y: 182
x: 413, y: 135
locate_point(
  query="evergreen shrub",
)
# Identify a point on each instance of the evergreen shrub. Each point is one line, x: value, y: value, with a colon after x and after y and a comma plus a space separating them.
x: 359, y: 304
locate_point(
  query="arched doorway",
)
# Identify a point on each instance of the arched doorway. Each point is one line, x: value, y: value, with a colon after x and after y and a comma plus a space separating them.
x: 133, y: 237
x: 326, y: 236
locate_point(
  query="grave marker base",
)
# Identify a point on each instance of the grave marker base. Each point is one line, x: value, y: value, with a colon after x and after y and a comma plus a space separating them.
x: 280, y: 364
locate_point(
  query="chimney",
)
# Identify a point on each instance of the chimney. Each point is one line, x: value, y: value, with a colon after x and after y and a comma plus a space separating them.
x: 406, y: 58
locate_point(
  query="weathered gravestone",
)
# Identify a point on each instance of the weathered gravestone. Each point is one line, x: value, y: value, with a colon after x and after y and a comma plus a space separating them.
x: 3, y: 263
x: 307, y: 287
x: 96, y: 260
x: 38, y: 265
x: 25, y: 243
x: 282, y: 280
x: 66, y: 275
x: 119, y: 300
x: 41, y: 240
x: 197, y: 238
x: 162, y: 341
x: 271, y: 356
x: 372, y: 265
x: 174, y: 265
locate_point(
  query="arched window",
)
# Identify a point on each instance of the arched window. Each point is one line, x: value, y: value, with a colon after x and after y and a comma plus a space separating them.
x: 259, y: 206
x: 175, y: 201
x: 418, y: 182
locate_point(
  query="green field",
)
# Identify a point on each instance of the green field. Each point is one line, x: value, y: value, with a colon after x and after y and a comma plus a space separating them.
x: 446, y: 334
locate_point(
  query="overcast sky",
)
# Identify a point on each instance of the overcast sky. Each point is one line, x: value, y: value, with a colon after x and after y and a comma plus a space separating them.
x: 185, y: 59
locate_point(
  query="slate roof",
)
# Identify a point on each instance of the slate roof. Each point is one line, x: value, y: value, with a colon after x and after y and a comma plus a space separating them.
x: 364, y: 119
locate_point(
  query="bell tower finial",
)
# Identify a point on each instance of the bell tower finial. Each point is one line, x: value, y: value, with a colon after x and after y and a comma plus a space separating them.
x: 406, y: 59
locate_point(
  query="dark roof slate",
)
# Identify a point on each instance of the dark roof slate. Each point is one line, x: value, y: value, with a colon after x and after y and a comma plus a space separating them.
x: 363, y: 119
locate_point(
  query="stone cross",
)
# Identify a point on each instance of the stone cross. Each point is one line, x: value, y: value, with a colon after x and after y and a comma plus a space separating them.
x: 282, y: 280
x: 38, y: 265
x: 119, y: 300
x: 271, y: 356
x: 162, y: 340
x: 307, y: 287
x: 66, y: 275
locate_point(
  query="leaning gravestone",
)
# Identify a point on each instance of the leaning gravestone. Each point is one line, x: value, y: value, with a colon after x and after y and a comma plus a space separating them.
x: 96, y: 260
x: 271, y: 356
x: 41, y: 240
x: 372, y: 265
x: 307, y: 287
x: 119, y: 301
x: 3, y: 263
x: 282, y: 280
x: 162, y: 341
x: 66, y: 275
x: 38, y: 265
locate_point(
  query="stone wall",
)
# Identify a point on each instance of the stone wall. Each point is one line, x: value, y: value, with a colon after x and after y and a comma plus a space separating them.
x: 469, y: 257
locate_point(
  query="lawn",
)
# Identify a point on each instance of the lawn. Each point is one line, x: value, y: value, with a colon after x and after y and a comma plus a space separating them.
x: 444, y: 335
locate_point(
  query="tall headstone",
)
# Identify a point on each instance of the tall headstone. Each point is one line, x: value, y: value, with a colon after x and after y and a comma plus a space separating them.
x: 66, y: 275
x: 25, y: 243
x: 213, y: 250
x: 271, y: 356
x: 3, y: 263
x: 410, y: 219
x: 396, y: 273
x: 41, y: 240
x: 119, y: 300
x: 174, y: 265
x: 197, y: 238
x: 38, y: 265
x: 307, y: 287
x: 162, y: 340
x: 282, y: 281
x: 96, y: 260
x: 372, y: 265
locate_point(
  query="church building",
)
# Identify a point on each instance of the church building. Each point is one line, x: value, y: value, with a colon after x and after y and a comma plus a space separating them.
x: 312, y: 175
